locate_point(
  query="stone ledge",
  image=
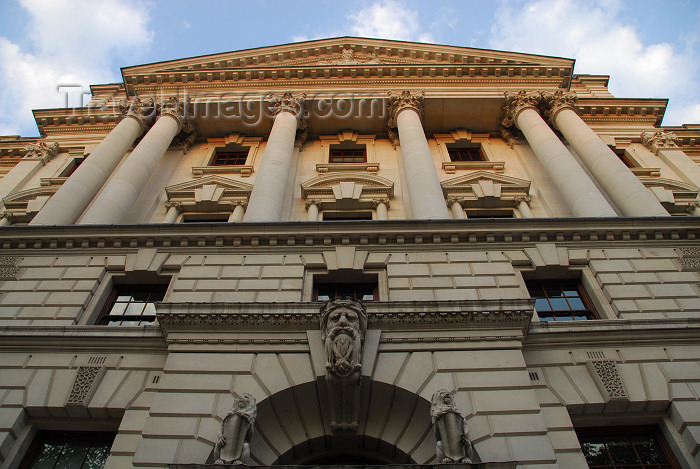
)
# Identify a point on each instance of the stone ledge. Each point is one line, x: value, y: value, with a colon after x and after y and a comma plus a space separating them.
x: 403, y: 234
x: 480, y: 465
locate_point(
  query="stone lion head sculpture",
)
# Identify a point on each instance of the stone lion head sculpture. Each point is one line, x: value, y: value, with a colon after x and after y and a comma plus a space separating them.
x: 442, y: 402
x: 245, y: 407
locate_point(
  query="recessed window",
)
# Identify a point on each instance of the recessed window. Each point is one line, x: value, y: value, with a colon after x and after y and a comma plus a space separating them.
x: 560, y: 300
x: 465, y: 154
x: 133, y: 305
x: 68, y: 450
x: 349, y: 215
x: 230, y: 158
x: 476, y: 213
x: 622, y: 155
x: 348, y: 156
x: 205, y: 217
x: 76, y: 163
x: 625, y: 447
x: 359, y: 291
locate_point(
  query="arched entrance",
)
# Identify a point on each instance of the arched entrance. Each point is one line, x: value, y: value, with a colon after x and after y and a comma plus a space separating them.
x: 293, y: 428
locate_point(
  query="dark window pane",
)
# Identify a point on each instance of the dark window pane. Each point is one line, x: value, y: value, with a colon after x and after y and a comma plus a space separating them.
x: 595, y: 452
x: 559, y: 304
x: 97, y: 456
x: 74, y: 453
x: 48, y: 455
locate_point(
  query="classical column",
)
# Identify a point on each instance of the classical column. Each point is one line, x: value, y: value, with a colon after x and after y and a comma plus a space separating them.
x: 6, y: 219
x: 694, y: 208
x: 458, y: 212
x: 664, y: 144
x: 616, y: 179
x: 120, y: 193
x: 268, y: 194
x: 36, y: 155
x: 424, y: 190
x: 382, y: 208
x: 71, y: 199
x: 312, y: 208
x: 523, y: 206
x: 238, y: 211
x: 578, y: 191
x: 174, y: 209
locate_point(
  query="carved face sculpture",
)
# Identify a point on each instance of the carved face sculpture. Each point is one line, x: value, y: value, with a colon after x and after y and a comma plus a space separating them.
x: 343, y: 322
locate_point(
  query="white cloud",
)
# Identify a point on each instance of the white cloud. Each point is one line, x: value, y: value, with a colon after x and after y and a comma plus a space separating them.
x: 388, y: 19
x: 593, y: 34
x: 71, y: 42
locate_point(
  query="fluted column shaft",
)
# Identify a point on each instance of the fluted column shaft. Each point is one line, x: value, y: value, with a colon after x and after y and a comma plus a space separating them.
x: 119, y: 195
x: 268, y: 194
x: 424, y: 190
x: 623, y: 187
x: 71, y: 199
x: 578, y: 191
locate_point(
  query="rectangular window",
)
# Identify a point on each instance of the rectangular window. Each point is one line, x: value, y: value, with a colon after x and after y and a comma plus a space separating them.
x: 465, y: 154
x: 348, y: 156
x: 68, y: 450
x: 359, y: 291
x: 476, y: 213
x: 560, y: 300
x: 133, y: 305
x: 350, y: 215
x: 230, y: 158
x: 625, y: 447
x: 623, y: 157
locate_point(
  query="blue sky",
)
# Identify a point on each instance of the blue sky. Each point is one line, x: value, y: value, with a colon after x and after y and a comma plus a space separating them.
x: 650, y: 49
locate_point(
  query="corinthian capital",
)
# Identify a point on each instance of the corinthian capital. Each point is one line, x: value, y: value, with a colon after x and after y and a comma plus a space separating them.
x: 405, y: 100
x: 41, y: 150
x: 556, y: 102
x: 144, y: 111
x: 659, y: 139
x: 288, y: 102
x: 517, y: 102
x: 179, y: 109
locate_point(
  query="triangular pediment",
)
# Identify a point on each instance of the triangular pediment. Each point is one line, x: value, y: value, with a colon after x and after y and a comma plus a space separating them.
x: 476, y: 176
x: 348, y: 51
x: 229, y: 185
x: 356, y: 184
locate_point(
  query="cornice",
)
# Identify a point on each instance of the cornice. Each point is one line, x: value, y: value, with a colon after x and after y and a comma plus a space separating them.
x: 360, y: 74
x: 328, y: 49
x: 387, y: 234
x: 612, y: 332
x: 402, y: 315
x: 82, y: 338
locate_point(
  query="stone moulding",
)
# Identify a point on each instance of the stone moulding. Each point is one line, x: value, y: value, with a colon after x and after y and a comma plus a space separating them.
x: 399, y: 233
x: 477, y: 314
x: 481, y: 465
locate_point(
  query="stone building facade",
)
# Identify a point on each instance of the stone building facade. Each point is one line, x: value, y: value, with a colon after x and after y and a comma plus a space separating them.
x: 518, y: 236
